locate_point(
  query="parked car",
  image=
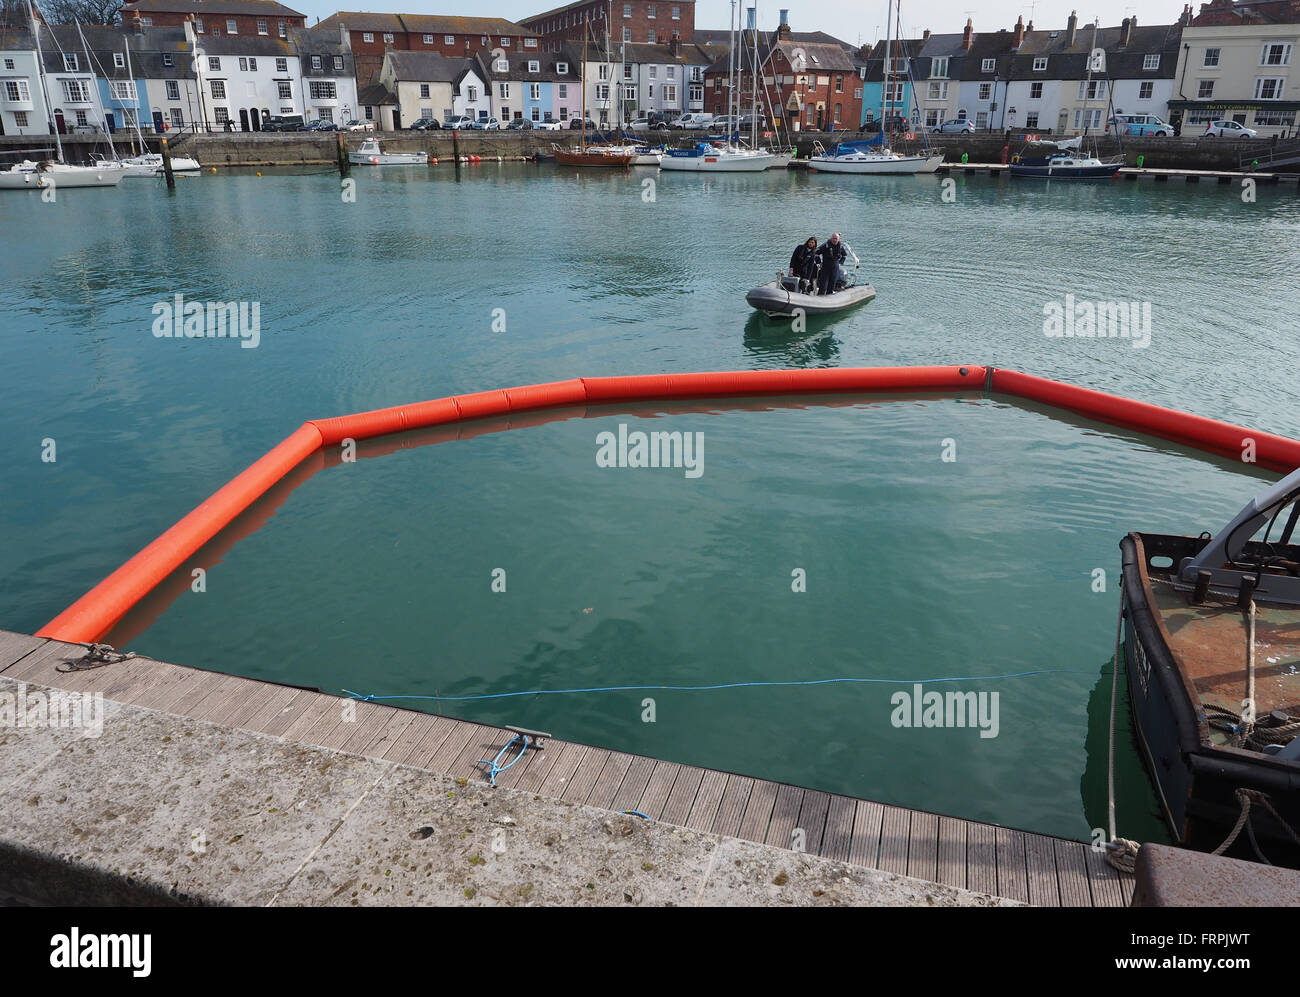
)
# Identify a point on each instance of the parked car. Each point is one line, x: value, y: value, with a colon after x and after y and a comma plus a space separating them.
x: 356, y: 125
x: 898, y: 123
x: 957, y: 126
x: 723, y: 124
x: 485, y: 125
x: 747, y: 122
x: 576, y: 123
x: 284, y: 123
x: 424, y: 125
x: 320, y: 125
x: 695, y: 121
x: 1228, y: 129
x: 548, y: 125
x: 458, y: 121
x: 519, y: 125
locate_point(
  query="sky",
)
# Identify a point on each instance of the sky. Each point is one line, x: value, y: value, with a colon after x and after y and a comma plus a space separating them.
x: 853, y: 21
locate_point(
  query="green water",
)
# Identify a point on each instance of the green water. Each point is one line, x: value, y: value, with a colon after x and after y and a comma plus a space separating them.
x: 377, y: 575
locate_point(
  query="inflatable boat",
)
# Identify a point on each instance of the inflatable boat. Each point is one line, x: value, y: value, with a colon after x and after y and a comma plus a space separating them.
x: 782, y: 297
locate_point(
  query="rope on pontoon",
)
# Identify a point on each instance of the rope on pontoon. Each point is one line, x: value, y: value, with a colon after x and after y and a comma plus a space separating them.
x: 494, y: 765
x: 1120, y: 852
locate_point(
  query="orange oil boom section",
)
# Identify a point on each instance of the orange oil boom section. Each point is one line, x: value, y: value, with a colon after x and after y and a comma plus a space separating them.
x: 94, y: 614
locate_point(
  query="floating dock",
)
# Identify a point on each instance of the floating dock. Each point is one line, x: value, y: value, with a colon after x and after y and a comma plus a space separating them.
x: 853, y: 850
x: 1140, y: 173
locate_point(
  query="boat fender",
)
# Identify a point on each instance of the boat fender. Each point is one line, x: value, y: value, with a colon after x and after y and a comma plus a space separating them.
x: 1016, y: 158
x: 374, y: 160
x: 433, y: 161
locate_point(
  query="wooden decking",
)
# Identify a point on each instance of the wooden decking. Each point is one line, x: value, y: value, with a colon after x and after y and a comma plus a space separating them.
x: 1033, y: 868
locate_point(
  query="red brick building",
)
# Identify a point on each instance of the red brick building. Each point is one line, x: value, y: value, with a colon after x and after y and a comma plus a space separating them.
x: 218, y: 18
x: 1226, y: 12
x: 641, y: 22
x: 372, y: 34
x: 809, y: 78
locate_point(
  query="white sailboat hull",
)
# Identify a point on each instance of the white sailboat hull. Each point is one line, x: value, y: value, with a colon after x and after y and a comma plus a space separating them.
x: 876, y: 164
x: 61, y: 177
x: 720, y: 163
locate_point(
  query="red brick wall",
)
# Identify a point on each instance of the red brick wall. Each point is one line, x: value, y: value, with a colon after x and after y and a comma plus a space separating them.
x: 414, y: 41
x: 245, y: 23
x: 715, y: 99
x: 640, y: 22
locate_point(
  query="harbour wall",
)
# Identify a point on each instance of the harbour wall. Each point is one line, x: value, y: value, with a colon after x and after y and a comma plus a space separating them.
x: 309, y: 148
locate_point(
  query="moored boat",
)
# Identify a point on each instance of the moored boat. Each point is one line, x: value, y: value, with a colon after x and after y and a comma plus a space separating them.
x: 706, y: 157
x: 1212, y: 655
x: 861, y: 157
x: 1068, y: 162
x: 590, y: 157
x: 370, y: 153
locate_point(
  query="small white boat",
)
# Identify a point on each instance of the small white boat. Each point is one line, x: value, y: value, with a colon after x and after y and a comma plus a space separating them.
x: 150, y: 164
x: 706, y: 157
x: 642, y: 155
x: 781, y: 298
x: 371, y: 154
x: 37, y: 176
x: 860, y: 157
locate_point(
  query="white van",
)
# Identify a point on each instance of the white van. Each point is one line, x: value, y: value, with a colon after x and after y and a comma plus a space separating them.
x: 697, y: 121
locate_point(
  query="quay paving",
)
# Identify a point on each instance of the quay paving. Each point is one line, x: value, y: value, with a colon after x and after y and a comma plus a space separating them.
x: 205, y: 788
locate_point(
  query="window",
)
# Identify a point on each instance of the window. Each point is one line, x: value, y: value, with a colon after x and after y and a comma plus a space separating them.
x: 677, y: 13
x: 285, y: 89
x: 650, y: 92
x: 221, y: 114
x: 1145, y: 89
x: 1036, y: 90
x: 231, y: 27
x: 122, y: 89
x: 650, y: 12
x: 602, y: 72
x: 627, y: 71
x: 696, y: 93
x: 939, y: 69
x: 287, y: 110
x: 1275, y: 54
x: 70, y: 61
x: 982, y: 119
x: 530, y: 43
x: 388, y: 38
x: 119, y: 60
x: 1087, y: 118
x: 564, y: 91
x: 986, y: 91
x: 535, y: 113
x: 534, y: 91
x: 315, y: 63
x: 281, y: 65
x: 894, y: 91
x: 857, y: 93
x: 370, y: 112
x: 173, y: 90
x: 449, y: 39
x: 1269, y: 88
x: 1092, y: 89
x: 534, y: 67
x: 428, y: 39
x: 629, y: 91
x: 218, y: 89
x: 252, y: 65
x: 9, y: 64
x: 367, y: 36
x: 627, y: 10
x: 167, y: 59
x: 654, y: 72
x: 1040, y: 64
x: 471, y: 93
x: 988, y: 65
x: 651, y: 37
x: 505, y: 42
x: 323, y: 90
x: 503, y: 91
x: 198, y: 25
x: 1150, y: 62
x: 562, y: 68
x: 1211, y: 60
x: 502, y: 65
x: 338, y: 64
x: 243, y: 64
x: 76, y: 92
x: 178, y: 118
x: 82, y: 119
x: 671, y: 73
x: 1283, y: 119
x: 325, y: 113
x: 932, y: 119
x: 627, y: 34
x: 424, y: 90
x: 284, y: 29
x: 937, y: 90
x: 670, y: 93
x: 839, y: 84
x: 147, y: 22
x: 564, y: 114
x: 1031, y: 119
x: 261, y: 28
x: 697, y: 74
x: 17, y: 90
x: 602, y: 91
x: 1205, y: 90
x: 214, y: 64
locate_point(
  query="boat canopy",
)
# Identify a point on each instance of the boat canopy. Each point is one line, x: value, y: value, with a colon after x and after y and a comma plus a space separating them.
x: 858, y: 145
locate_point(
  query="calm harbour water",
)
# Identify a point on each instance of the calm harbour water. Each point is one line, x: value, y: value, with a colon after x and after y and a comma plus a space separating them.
x: 376, y: 576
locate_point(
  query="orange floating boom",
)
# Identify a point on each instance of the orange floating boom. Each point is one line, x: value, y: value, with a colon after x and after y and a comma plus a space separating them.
x: 95, y: 613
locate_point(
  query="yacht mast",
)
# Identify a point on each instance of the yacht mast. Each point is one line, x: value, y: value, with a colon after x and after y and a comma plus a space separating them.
x: 884, y: 69
x: 103, y: 115
x: 1087, y: 86
x: 753, y: 98
x: 45, y: 89
x: 126, y: 44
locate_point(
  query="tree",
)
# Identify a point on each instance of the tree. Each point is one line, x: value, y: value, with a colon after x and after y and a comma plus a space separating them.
x: 81, y: 11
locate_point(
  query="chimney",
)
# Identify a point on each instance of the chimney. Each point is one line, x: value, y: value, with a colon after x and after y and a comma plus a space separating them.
x: 1029, y: 26
x: 1020, y: 32
x: 966, y: 35
x: 1070, y: 27
x: 1125, y: 32
x: 675, y: 46
x: 137, y: 23
x: 783, y: 29
x: 925, y: 35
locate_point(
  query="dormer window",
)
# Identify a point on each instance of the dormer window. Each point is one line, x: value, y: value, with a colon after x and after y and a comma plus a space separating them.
x: 119, y: 60
x: 231, y: 27
x: 1150, y: 62
x: 988, y: 65
x: 315, y: 63
x: 198, y: 25
x: 167, y: 59
x: 534, y: 67
x: 503, y: 66
x: 70, y: 61
x: 562, y: 68
x: 1040, y: 64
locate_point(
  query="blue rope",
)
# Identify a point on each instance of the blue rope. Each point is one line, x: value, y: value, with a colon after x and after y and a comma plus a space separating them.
x: 495, y: 766
x: 370, y: 697
x: 637, y: 813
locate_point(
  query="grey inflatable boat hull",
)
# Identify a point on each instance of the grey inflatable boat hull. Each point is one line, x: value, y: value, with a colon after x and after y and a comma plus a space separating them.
x: 776, y: 300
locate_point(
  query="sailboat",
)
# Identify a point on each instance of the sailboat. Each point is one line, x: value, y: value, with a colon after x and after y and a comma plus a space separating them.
x: 28, y: 175
x: 595, y: 155
x: 872, y: 155
x: 724, y: 156
x: 147, y: 163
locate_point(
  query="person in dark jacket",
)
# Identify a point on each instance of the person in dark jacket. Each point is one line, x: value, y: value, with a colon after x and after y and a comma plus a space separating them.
x: 831, y: 257
x: 803, y: 264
